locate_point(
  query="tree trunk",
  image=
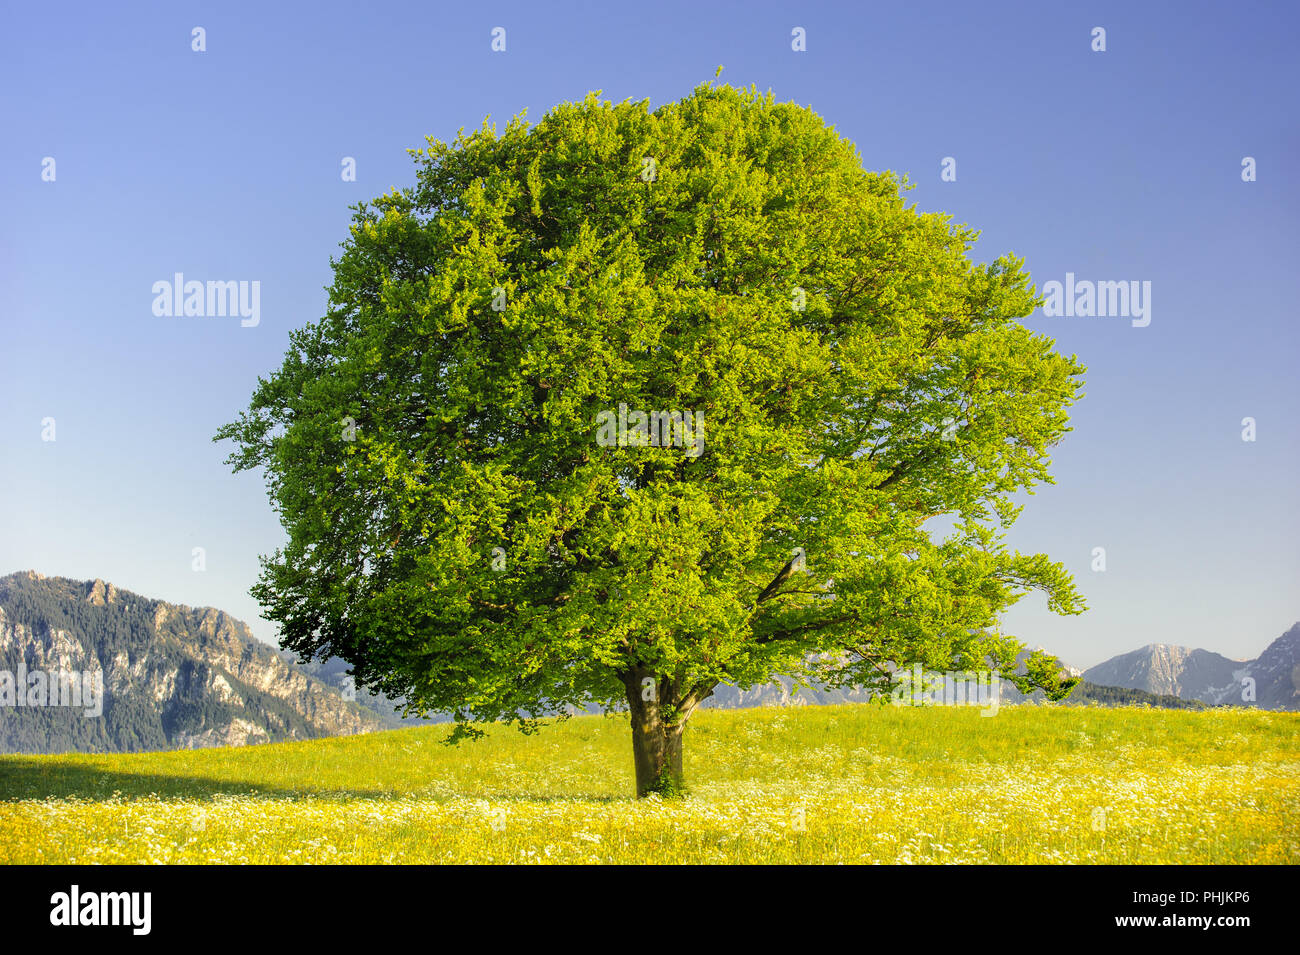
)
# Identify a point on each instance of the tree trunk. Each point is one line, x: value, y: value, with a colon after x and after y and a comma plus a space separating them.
x: 660, y: 708
x: 656, y: 742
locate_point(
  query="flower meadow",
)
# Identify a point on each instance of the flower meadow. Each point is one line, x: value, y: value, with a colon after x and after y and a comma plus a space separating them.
x: 837, y: 784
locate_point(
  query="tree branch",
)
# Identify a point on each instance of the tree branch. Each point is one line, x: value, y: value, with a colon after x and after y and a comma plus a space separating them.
x: 781, y: 577
x: 807, y: 627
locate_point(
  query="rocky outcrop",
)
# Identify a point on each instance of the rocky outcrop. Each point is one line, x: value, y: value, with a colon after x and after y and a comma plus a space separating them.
x: 172, y: 676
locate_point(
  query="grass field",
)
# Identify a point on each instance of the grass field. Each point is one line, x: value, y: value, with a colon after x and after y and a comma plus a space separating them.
x: 823, y: 785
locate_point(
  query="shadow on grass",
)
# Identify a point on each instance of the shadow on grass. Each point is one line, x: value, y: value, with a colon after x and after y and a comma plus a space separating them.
x: 38, y: 779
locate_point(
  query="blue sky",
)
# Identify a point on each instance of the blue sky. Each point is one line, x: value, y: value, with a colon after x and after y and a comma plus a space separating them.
x: 1123, y: 165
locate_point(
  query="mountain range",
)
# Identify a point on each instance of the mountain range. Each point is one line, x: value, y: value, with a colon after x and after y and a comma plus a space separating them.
x: 1271, y: 681
x: 176, y: 677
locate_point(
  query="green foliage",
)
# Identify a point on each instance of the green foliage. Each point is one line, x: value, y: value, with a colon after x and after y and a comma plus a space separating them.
x: 669, y: 785
x: 1043, y: 672
x: 1087, y: 692
x: 857, y: 376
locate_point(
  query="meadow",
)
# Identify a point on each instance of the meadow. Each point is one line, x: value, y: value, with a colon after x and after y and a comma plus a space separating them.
x: 851, y: 784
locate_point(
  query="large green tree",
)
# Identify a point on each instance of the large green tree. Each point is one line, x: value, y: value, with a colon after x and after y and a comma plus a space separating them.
x: 473, y: 525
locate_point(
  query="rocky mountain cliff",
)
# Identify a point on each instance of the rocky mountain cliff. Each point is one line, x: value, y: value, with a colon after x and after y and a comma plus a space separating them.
x: 169, y: 676
x: 334, y: 672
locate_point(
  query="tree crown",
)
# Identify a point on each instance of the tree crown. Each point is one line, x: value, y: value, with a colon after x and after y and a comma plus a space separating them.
x: 480, y: 519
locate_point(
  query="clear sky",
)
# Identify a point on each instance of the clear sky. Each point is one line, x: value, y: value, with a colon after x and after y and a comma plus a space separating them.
x: 1122, y: 165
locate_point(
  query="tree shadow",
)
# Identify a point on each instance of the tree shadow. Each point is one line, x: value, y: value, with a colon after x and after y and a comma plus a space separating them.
x: 40, y: 779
